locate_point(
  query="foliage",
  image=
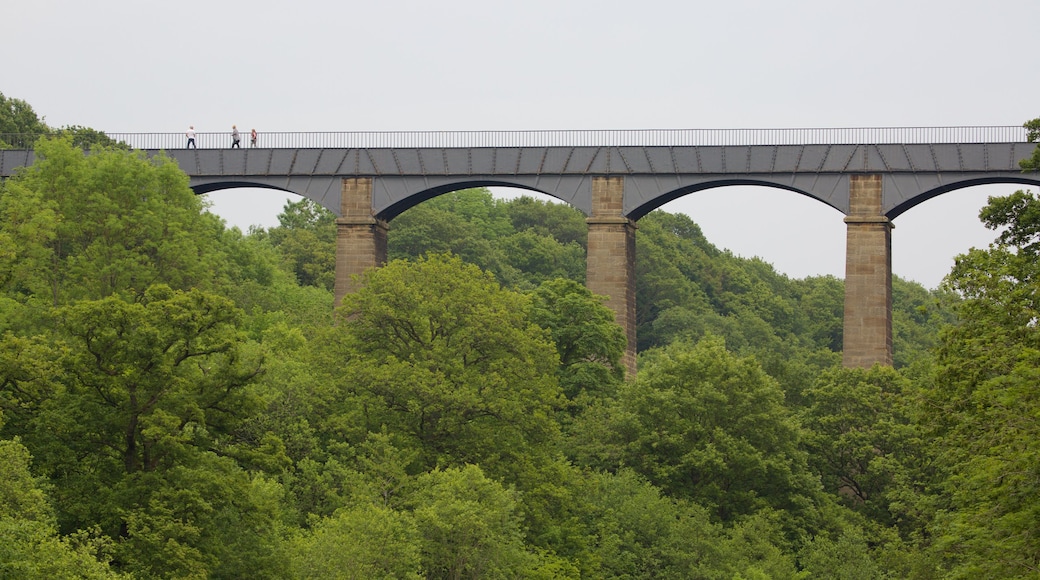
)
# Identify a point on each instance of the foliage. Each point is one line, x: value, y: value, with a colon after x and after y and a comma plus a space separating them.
x: 1033, y: 135
x: 306, y: 239
x: 367, y: 541
x: 589, y: 342
x: 982, y: 406
x: 19, y: 125
x: 31, y: 546
x: 193, y: 408
x: 710, y: 427
x: 112, y: 222
x: 863, y: 442
x: 444, y: 355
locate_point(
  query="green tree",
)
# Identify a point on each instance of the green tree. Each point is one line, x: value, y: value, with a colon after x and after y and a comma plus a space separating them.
x: 306, y: 239
x: 19, y: 125
x: 1033, y: 135
x: 708, y: 426
x: 863, y: 441
x: 112, y: 222
x: 30, y: 546
x: 588, y: 340
x: 981, y: 408
x: 360, y: 543
x: 469, y: 526
x: 440, y: 352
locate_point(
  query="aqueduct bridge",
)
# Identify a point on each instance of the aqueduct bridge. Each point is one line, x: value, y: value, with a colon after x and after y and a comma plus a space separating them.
x: 871, y: 175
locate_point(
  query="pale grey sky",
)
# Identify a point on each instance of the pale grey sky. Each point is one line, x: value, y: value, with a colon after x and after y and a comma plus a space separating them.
x: 333, y: 65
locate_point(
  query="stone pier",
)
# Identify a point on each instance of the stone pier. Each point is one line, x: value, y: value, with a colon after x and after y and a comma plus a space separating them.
x: 610, y: 267
x: 360, y: 237
x: 868, y: 276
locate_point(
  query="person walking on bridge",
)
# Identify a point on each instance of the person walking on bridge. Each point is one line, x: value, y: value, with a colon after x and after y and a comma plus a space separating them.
x: 236, y: 141
x: 252, y: 138
x: 191, y: 137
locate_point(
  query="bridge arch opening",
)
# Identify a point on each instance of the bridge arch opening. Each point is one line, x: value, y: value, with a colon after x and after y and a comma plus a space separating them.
x: 800, y: 236
x: 496, y: 187
x: 248, y: 206
x: 928, y: 236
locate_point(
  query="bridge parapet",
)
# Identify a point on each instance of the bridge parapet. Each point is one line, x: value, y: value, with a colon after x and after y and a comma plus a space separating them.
x: 570, y: 138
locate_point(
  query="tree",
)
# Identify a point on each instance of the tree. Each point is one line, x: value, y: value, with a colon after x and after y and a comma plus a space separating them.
x: 708, y: 426
x: 19, y: 125
x: 863, y: 441
x: 112, y: 222
x: 588, y: 340
x: 1033, y: 135
x: 440, y: 352
x: 362, y: 542
x: 306, y: 239
x: 31, y: 546
x: 981, y: 410
x: 469, y: 526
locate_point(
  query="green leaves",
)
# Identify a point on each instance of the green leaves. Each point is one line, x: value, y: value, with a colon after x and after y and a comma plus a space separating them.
x: 445, y: 355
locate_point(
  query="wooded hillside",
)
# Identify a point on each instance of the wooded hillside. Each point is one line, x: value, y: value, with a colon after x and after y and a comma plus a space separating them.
x: 180, y: 400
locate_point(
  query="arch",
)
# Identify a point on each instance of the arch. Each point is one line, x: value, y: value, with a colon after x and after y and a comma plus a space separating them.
x: 916, y: 200
x: 675, y: 194
x: 411, y: 200
x: 205, y: 188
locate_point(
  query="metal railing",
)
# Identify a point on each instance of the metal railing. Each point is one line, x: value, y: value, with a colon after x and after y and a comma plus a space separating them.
x: 575, y: 138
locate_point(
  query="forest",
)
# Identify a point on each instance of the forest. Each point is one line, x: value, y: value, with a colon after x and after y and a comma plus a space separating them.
x: 180, y: 399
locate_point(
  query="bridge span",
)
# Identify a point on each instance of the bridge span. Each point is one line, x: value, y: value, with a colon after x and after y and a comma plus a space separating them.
x: 870, y: 175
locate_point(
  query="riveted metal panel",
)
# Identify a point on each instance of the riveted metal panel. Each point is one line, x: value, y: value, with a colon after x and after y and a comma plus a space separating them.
x: 635, y: 160
x: 735, y: 159
x: 380, y: 161
x: 1001, y: 156
x: 582, y: 158
x: 10, y: 160
x: 507, y: 161
x: 661, y: 159
x: 920, y: 157
x: 430, y: 161
x: 482, y: 160
x: 686, y: 159
x: 787, y: 158
x: 601, y: 163
x: 306, y: 161
x: 457, y: 161
x: 760, y: 159
x: 531, y: 160
x: 556, y: 160
x: 282, y: 161
x: 894, y: 157
x: 330, y: 161
x: 210, y: 162
x: 873, y: 159
x: 813, y: 157
x: 842, y: 158
x: 711, y: 160
x: 947, y: 157
x: 404, y: 161
x: 257, y: 161
x: 234, y: 162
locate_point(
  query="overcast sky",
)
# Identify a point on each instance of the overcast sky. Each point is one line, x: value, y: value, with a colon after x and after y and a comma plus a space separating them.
x: 344, y: 65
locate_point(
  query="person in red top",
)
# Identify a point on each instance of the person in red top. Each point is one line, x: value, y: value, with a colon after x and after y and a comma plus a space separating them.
x: 252, y: 138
